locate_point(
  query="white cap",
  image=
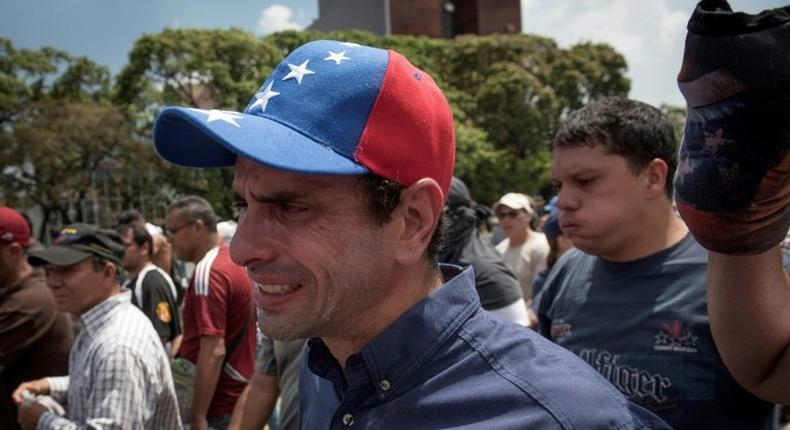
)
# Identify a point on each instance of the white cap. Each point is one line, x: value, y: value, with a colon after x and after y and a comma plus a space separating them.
x: 153, y: 230
x: 515, y: 201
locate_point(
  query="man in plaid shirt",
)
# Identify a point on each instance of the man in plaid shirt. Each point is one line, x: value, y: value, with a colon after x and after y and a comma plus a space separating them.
x: 119, y: 375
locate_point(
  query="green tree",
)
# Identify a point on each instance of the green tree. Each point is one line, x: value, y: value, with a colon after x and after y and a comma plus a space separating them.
x: 676, y: 115
x: 222, y: 68
x: 62, y: 144
x: 200, y: 68
x: 588, y: 71
x: 59, y: 149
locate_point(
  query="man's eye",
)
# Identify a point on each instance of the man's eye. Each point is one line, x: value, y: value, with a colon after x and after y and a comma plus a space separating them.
x: 239, y: 204
x: 290, y: 208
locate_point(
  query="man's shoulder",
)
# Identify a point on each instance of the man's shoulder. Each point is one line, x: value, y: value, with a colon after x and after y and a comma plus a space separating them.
x: 537, y: 242
x: 502, y: 246
x: 221, y: 263
x: 128, y: 327
x: 217, y: 270
x: 537, y: 374
x: 154, y: 278
x: 572, y: 263
x: 33, y: 301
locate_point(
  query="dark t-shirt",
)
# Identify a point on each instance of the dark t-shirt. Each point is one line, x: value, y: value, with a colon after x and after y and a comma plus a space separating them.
x: 159, y: 303
x: 644, y: 326
x: 35, y: 339
x: 497, y: 286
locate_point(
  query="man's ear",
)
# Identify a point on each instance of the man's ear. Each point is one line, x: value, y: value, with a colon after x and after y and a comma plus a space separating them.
x: 656, y: 178
x: 110, y: 270
x: 421, y: 205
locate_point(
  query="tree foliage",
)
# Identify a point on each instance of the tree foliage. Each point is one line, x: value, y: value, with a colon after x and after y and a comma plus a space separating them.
x: 62, y: 141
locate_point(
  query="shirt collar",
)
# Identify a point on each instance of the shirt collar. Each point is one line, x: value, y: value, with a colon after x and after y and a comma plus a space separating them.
x: 96, y: 316
x: 396, y: 353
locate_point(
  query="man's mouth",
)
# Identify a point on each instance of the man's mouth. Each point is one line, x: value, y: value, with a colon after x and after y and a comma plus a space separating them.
x: 275, y: 288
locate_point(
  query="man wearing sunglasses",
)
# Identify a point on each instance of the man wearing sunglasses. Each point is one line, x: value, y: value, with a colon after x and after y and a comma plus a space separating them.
x: 218, y: 348
x: 524, y: 250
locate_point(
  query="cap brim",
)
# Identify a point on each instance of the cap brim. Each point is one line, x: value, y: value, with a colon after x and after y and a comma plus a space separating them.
x: 57, y: 255
x: 184, y: 136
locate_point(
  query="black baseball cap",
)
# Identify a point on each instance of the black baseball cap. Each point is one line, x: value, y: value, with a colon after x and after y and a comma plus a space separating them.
x: 77, y: 242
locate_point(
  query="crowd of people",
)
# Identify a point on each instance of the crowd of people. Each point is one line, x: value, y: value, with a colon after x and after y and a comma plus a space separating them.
x: 362, y: 286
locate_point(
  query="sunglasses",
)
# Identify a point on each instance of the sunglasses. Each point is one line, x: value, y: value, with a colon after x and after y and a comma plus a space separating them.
x: 508, y: 214
x: 170, y: 232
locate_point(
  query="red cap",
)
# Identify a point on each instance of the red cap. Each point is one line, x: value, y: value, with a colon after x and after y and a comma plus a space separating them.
x: 13, y: 227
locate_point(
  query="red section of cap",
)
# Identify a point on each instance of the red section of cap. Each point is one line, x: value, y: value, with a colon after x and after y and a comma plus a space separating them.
x: 409, y: 134
x: 13, y: 227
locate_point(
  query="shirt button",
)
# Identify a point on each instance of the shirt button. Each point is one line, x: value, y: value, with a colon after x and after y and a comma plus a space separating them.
x: 385, y: 385
x: 348, y: 420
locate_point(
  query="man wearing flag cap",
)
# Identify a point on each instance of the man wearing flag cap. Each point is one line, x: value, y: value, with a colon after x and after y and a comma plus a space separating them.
x: 343, y: 161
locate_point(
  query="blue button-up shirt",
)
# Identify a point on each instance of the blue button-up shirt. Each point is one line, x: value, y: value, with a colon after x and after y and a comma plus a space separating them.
x: 447, y: 363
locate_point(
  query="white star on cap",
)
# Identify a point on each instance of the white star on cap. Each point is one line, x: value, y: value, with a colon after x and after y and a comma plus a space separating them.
x: 262, y: 98
x: 221, y: 115
x: 350, y: 44
x: 298, y: 72
x: 336, y: 57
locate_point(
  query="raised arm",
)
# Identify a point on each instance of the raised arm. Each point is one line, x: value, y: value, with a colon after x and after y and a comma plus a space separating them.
x: 749, y: 305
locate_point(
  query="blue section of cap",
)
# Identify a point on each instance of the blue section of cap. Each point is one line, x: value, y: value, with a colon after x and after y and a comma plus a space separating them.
x: 333, y: 104
x: 184, y: 136
x: 309, y: 127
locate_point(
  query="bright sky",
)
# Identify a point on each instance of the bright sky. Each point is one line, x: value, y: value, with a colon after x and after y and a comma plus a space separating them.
x: 650, y: 33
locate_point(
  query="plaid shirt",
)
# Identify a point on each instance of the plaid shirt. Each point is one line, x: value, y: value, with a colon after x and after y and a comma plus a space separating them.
x: 119, y: 375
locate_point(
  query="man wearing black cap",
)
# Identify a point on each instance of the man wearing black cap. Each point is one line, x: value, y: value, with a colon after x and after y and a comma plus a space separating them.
x: 343, y: 162
x: 119, y: 373
x: 35, y: 338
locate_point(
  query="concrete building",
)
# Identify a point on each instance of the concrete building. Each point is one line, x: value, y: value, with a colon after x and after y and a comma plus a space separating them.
x: 434, y: 18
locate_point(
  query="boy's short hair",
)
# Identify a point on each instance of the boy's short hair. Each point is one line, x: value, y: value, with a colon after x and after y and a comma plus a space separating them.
x: 634, y: 130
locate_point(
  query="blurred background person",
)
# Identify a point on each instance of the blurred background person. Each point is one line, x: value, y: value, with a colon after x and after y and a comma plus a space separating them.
x: 152, y: 289
x: 559, y: 244
x: 524, y: 249
x: 497, y: 286
x: 35, y: 339
x: 217, y: 354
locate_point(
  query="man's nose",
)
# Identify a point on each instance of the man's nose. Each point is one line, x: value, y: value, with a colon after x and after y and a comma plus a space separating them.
x: 252, y: 242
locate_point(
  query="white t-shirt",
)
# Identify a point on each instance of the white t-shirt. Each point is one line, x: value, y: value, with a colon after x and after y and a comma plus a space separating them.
x: 526, y: 260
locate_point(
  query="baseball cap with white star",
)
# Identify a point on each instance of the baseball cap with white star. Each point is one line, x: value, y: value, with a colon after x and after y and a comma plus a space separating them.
x: 328, y: 108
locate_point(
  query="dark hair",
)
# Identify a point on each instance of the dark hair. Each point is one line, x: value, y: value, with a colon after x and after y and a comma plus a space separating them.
x: 634, y: 130
x: 129, y: 216
x: 383, y: 196
x: 140, y: 236
x: 196, y: 208
x: 100, y: 262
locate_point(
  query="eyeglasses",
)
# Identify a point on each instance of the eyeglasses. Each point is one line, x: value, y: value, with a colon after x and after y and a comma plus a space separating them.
x: 508, y: 214
x: 173, y: 231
